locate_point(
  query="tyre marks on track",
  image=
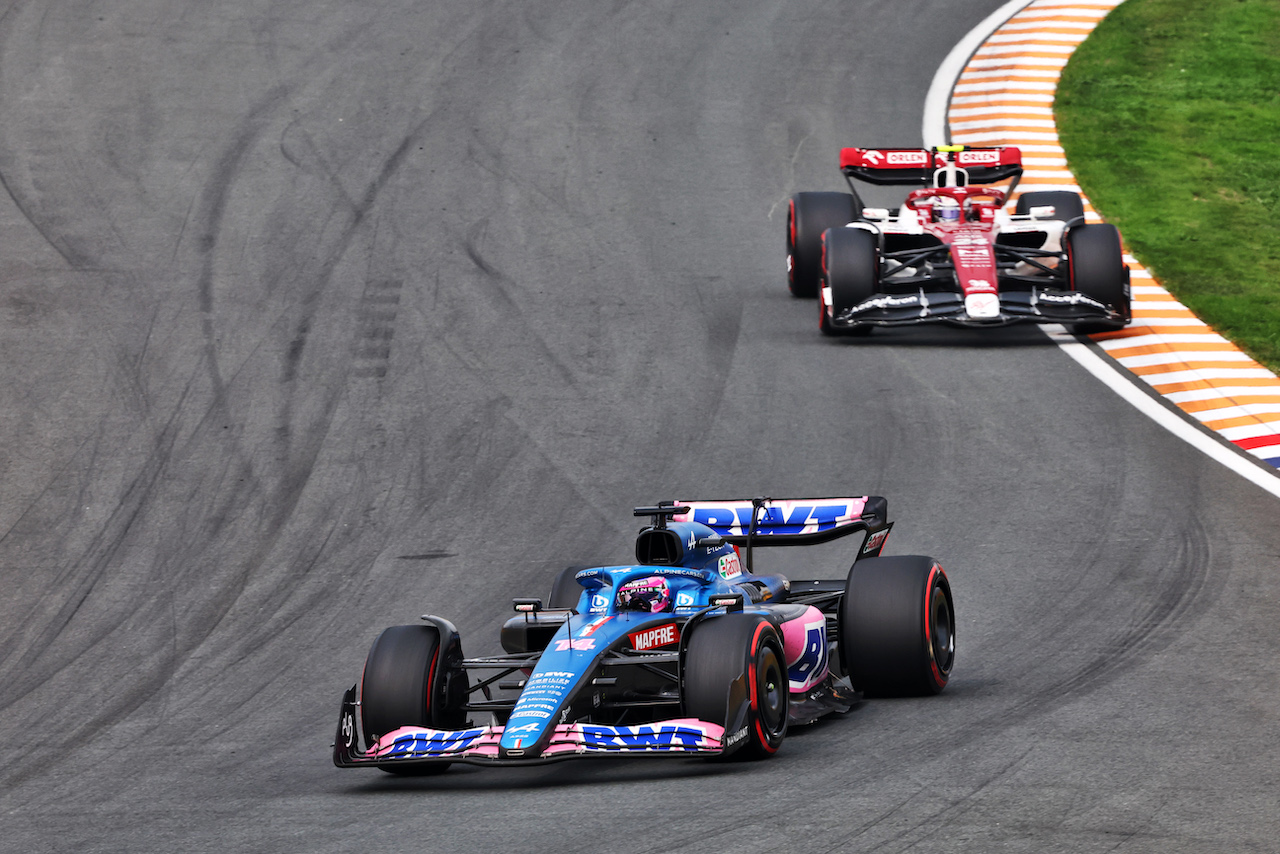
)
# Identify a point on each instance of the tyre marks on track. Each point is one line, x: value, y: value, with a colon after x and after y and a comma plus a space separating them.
x: 1005, y: 96
x: 376, y: 327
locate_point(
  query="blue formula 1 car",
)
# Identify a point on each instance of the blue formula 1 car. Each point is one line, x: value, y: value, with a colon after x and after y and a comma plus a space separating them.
x: 687, y: 651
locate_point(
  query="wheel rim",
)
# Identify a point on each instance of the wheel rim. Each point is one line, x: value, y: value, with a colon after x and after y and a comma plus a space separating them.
x: 942, y: 629
x: 772, y: 692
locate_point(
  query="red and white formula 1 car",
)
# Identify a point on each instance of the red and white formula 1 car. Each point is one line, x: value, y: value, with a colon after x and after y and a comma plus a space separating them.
x: 951, y: 252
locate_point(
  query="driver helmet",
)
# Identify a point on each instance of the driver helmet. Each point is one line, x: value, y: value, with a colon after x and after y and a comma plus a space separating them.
x: 948, y: 209
x: 646, y: 594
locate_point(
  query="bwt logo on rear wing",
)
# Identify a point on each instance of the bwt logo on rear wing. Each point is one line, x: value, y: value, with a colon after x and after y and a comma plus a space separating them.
x: 788, y: 521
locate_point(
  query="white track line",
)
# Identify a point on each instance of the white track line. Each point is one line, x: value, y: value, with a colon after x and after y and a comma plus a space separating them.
x: 992, y: 81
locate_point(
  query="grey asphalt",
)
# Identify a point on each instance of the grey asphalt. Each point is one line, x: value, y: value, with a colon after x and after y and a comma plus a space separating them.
x: 317, y: 316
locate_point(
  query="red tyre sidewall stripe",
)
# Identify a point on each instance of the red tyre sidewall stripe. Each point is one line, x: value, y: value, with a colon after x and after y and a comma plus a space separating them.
x: 431, y: 681
x: 822, y: 295
x: 755, y: 696
x: 939, y: 678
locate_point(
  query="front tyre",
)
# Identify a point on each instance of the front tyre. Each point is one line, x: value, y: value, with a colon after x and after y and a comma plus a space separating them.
x: 808, y: 215
x: 733, y: 664
x: 897, y: 626
x: 1096, y: 268
x: 406, y: 682
x: 850, y: 275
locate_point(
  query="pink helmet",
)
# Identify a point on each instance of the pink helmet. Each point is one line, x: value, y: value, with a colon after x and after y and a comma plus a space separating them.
x: 645, y: 594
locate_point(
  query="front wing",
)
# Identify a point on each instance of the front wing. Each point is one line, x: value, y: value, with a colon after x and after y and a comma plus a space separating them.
x: 480, y: 745
x: 1037, y: 305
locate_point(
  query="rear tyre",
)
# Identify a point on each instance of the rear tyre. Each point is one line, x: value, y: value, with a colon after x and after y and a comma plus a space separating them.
x: 1066, y: 205
x: 405, y: 683
x: 850, y: 275
x: 808, y: 215
x: 565, y: 590
x: 1096, y: 268
x: 897, y: 626
x: 726, y: 657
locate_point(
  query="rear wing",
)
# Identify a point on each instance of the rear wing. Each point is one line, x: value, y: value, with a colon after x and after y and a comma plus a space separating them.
x: 944, y: 166
x: 786, y: 521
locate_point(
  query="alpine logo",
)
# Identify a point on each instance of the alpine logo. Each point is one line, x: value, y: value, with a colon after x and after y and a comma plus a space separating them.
x: 515, y: 730
x: 655, y: 637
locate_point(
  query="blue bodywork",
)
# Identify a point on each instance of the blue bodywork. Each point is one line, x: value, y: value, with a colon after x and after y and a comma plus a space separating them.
x: 606, y: 664
x: 575, y: 650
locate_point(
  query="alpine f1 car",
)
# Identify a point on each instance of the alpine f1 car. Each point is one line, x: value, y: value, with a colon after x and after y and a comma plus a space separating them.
x: 951, y: 252
x: 686, y: 652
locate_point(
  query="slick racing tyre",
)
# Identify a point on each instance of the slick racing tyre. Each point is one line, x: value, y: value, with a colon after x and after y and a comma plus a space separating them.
x: 407, y: 682
x: 1096, y: 268
x: 850, y: 275
x: 808, y: 215
x: 1066, y: 205
x: 734, y: 660
x: 897, y: 626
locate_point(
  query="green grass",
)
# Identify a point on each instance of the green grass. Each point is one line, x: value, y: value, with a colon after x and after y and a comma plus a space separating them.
x: 1170, y: 117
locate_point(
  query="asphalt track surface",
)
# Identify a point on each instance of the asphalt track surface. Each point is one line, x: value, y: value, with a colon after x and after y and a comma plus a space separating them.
x: 319, y: 316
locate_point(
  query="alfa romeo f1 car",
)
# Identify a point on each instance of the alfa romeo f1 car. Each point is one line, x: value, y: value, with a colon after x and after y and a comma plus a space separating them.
x: 951, y: 253
x: 686, y: 652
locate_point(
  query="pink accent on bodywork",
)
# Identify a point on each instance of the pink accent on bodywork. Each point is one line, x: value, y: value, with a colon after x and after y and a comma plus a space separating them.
x: 735, y: 516
x: 680, y: 735
x: 420, y: 742
x: 805, y: 644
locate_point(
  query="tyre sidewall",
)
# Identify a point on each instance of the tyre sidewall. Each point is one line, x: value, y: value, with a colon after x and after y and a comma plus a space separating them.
x: 886, y: 631
x: 1095, y: 264
x: 724, y: 681
x: 850, y: 274
x: 402, y: 668
x: 808, y: 216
